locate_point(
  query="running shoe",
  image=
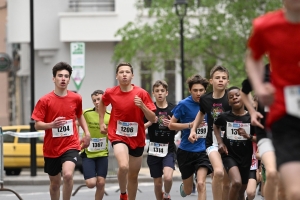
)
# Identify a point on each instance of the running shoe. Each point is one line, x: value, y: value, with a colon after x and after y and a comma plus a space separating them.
x: 123, y: 197
x: 182, y: 191
x: 167, y: 198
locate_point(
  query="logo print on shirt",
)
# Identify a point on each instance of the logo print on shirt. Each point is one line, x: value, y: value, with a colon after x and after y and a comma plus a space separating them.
x: 216, y: 110
x: 161, y: 117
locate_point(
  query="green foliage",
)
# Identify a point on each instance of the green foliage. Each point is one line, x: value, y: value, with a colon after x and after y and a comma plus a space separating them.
x: 215, y: 31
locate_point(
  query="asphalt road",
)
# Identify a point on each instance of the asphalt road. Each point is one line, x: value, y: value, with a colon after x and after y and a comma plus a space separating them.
x: 40, y: 192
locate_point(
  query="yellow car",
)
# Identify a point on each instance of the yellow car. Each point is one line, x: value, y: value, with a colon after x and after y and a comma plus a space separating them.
x: 16, y: 151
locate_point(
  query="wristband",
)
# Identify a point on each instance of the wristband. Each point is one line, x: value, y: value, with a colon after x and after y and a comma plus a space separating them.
x: 251, y: 137
x: 189, y: 125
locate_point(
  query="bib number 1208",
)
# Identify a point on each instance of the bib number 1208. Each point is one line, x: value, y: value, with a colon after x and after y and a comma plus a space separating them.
x: 127, y: 129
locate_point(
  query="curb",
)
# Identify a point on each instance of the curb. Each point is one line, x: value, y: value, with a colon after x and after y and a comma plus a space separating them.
x: 77, y: 180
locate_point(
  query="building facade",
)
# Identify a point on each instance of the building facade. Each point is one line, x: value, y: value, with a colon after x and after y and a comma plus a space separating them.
x: 57, y: 23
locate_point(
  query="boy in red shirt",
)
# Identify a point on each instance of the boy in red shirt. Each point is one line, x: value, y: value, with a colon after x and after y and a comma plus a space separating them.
x: 277, y: 35
x: 126, y: 132
x: 56, y: 113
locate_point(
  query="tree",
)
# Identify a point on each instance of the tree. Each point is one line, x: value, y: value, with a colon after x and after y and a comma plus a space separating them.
x: 216, y: 32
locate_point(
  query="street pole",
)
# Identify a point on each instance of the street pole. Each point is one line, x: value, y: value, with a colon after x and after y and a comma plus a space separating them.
x: 32, y: 129
x: 182, y: 57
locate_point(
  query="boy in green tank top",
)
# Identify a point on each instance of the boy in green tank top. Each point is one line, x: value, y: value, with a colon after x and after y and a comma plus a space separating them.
x: 95, y: 156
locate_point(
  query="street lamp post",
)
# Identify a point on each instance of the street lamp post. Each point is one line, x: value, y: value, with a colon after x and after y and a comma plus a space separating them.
x: 33, y: 164
x: 181, y: 6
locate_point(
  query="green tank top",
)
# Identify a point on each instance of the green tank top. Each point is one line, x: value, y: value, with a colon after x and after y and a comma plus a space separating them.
x: 92, y: 120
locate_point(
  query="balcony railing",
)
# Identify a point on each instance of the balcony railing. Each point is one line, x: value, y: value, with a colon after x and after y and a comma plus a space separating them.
x: 92, y: 5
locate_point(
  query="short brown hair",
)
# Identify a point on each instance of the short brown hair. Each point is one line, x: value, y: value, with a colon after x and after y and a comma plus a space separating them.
x: 97, y: 92
x: 124, y: 64
x: 61, y: 66
x: 197, y: 79
x: 220, y: 69
x: 159, y: 83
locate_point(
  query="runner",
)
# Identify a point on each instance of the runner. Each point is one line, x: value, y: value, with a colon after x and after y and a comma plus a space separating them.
x: 162, y: 149
x: 213, y: 104
x: 236, y: 146
x: 273, y: 34
x: 95, y: 157
x: 265, y: 146
x: 191, y: 157
x: 56, y: 113
x: 126, y: 132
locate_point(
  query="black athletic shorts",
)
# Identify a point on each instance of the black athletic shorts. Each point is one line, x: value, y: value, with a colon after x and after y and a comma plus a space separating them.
x: 190, y: 162
x: 286, y: 139
x: 137, y: 152
x: 229, y: 162
x: 53, y: 166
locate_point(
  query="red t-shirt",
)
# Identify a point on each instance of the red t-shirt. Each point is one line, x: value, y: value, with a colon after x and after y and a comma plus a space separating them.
x: 52, y: 106
x: 273, y: 35
x: 124, y: 109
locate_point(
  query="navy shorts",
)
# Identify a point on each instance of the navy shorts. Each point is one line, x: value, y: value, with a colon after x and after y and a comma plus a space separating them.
x: 53, y: 166
x: 190, y: 162
x: 229, y: 162
x: 157, y: 164
x: 93, y: 167
x: 286, y: 139
x: 137, y: 152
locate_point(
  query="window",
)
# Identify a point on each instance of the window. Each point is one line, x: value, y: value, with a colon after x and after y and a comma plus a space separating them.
x: 8, y: 138
x: 146, y: 76
x: 170, y: 79
x: 92, y: 5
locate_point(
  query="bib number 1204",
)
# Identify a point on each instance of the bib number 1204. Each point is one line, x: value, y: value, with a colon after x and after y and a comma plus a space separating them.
x: 63, y: 129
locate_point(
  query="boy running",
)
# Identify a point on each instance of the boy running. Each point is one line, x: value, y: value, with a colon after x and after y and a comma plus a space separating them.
x: 162, y: 149
x: 56, y: 113
x: 236, y: 146
x: 126, y: 132
x: 191, y: 157
x: 95, y: 157
x: 213, y: 104
x: 277, y: 35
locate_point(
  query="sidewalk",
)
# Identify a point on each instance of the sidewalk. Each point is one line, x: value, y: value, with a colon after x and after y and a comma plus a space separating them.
x: 42, y: 178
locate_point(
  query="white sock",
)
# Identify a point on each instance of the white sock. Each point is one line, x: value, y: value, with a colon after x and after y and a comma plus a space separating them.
x: 166, y: 195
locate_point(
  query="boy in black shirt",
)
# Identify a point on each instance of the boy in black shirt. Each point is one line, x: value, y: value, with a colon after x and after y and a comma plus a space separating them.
x: 236, y: 145
x: 161, y: 152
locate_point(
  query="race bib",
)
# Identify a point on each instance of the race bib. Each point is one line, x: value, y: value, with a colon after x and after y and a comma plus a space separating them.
x: 128, y: 129
x: 65, y: 130
x: 158, y: 149
x: 202, y: 131
x: 97, y: 144
x: 292, y: 100
x: 232, y: 130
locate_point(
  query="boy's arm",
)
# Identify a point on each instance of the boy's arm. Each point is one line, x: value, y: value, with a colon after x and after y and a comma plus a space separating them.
x: 256, y: 71
x: 222, y: 146
x: 102, y: 109
x: 255, y: 116
x: 85, y: 141
x: 196, y: 123
x: 174, y: 125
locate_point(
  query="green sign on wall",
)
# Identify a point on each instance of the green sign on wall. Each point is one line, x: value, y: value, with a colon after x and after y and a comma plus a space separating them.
x: 78, y: 62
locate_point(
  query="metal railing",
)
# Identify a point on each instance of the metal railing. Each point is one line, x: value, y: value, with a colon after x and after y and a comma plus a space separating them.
x: 2, y: 168
x: 92, y: 5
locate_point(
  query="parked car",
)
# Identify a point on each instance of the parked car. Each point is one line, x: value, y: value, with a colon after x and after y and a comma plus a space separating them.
x: 16, y: 151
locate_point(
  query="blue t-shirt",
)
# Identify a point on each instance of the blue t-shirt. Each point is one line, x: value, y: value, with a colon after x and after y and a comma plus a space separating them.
x: 186, y: 111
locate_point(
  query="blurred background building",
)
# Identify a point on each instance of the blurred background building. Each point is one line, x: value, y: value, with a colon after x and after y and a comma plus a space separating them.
x: 57, y: 23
